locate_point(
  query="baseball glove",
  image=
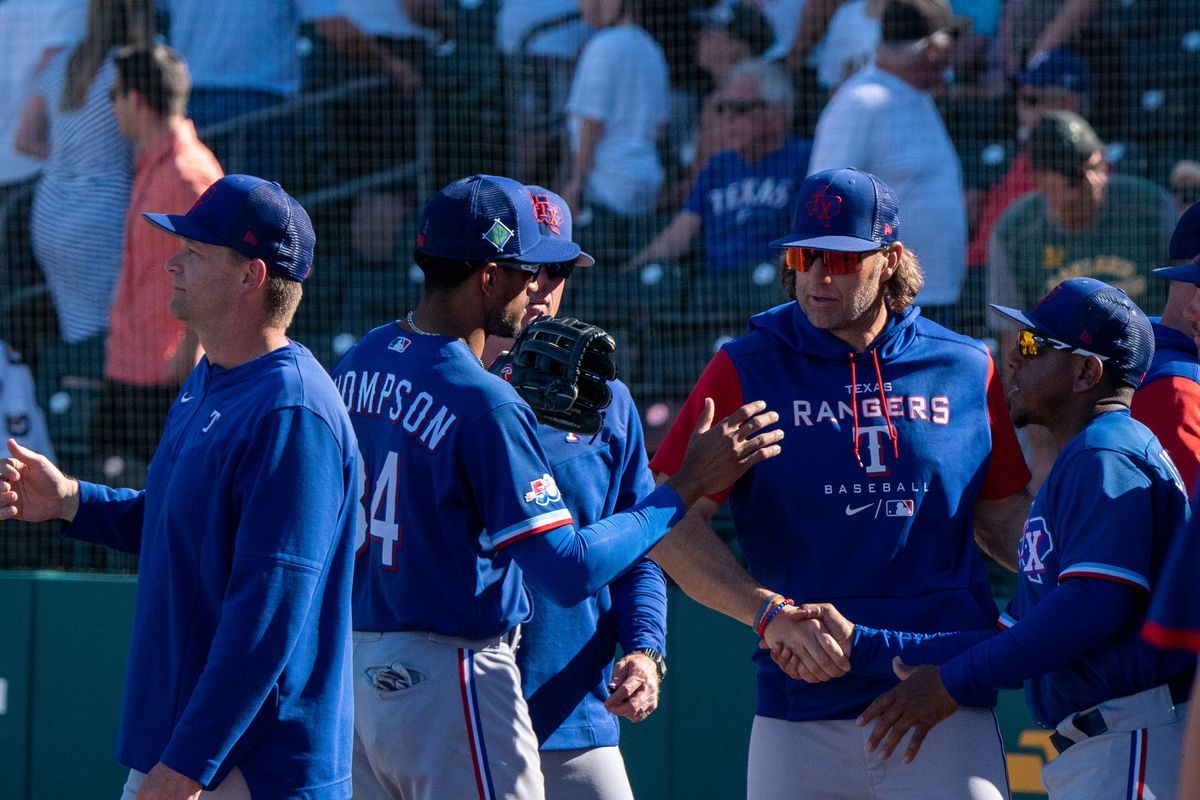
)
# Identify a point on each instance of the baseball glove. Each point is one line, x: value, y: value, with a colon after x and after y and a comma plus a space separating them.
x: 561, y: 367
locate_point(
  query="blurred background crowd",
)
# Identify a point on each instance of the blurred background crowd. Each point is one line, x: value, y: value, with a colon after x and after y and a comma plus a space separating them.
x: 1028, y: 140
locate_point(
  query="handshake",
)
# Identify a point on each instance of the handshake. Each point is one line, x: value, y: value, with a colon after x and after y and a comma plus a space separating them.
x: 810, y: 642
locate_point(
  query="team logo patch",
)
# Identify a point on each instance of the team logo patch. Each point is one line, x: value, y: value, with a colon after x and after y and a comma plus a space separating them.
x: 823, y: 206
x: 899, y: 508
x: 549, y: 215
x: 399, y: 344
x: 498, y: 235
x: 506, y: 372
x: 17, y: 424
x: 1033, y: 550
x: 543, y: 491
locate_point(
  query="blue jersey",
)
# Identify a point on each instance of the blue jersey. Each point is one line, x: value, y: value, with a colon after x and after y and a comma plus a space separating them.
x: 566, y: 653
x: 240, y: 653
x: 1173, y: 621
x: 453, y: 474
x: 1108, y: 510
x: 869, y: 506
x: 744, y: 205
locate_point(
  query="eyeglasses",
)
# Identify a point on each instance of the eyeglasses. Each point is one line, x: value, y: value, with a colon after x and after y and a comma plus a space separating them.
x: 1031, y: 345
x: 557, y: 271
x: 802, y: 259
x: 739, y: 106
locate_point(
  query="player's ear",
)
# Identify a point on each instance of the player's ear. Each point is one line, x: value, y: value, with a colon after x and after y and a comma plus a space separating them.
x: 1089, y: 371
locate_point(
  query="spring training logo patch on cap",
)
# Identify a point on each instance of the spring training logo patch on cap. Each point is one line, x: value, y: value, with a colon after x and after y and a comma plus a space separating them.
x: 498, y: 235
x: 822, y: 206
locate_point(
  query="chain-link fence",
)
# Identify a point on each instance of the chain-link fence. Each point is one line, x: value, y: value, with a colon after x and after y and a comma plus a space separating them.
x: 678, y: 131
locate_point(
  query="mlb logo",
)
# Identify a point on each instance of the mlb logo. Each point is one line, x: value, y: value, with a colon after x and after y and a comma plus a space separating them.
x: 572, y: 438
x: 899, y: 508
x: 399, y: 344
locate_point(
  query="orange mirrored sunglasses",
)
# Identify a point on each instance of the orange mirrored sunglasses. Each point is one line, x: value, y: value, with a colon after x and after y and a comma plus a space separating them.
x: 801, y: 259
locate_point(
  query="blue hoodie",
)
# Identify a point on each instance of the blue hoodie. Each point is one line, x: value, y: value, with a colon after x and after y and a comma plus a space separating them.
x: 870, y: 505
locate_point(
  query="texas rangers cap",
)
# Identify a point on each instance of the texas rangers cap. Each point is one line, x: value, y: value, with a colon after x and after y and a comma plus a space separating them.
x: 1185, y: 246
x: 554, y: 219
x: 257, y: 218
x: 844, y: 210
x: 1096, y: 318
x: 488, y: 218
x: 1057, y: 69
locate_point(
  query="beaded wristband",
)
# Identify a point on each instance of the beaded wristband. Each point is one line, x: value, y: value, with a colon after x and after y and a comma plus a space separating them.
x: 761, y: 628
x: 764, y: 608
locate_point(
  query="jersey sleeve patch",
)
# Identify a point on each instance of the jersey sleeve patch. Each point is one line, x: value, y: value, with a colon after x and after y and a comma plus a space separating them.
x: 1105, y: 572
x: 525, y: 528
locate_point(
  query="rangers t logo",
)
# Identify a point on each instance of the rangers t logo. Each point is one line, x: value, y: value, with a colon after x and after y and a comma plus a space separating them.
x: 823, y: 207
x: 1034, y: 548
x: 543, y: 491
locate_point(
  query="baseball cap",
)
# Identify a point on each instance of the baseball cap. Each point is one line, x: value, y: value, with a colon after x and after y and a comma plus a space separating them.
x: 554, y: 219
x: 1096, y: 318
x: 741, y: 21
x: 844, y: 210
x: 488, y: 218
x: 1062, y: 142
x: 1185, y: 245
x: 1058, y: 69
x: 912, y: 20
x: 255, y: 217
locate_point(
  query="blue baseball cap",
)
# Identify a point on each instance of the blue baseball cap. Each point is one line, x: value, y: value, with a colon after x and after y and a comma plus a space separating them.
x: 554, y: 219
x: 488, y: 218
x: 257, y: 218
x: 1096, y: 319
x: 1059, y: 69
x: 844, y: 210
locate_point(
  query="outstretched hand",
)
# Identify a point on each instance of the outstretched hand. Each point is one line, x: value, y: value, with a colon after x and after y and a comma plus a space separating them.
x: 33, y: 489
x: 918, y: 703
x: 812, y: 643
x: 718, y: 454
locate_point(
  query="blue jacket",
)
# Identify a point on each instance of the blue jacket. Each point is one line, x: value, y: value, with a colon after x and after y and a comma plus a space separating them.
x: 240, y: 653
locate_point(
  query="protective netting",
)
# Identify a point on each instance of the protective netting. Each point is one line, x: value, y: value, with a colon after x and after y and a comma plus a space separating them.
x: 679, y: 133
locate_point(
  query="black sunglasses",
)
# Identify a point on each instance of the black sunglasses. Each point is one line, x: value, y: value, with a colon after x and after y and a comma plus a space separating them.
x: 556, y: 271
x: 739, y: 106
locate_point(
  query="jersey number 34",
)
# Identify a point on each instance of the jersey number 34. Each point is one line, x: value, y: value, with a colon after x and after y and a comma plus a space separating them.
x: 377, y: 519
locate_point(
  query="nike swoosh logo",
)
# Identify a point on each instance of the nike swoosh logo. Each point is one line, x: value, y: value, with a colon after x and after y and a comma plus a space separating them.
x: 850, y: 512
x: 186, y: 398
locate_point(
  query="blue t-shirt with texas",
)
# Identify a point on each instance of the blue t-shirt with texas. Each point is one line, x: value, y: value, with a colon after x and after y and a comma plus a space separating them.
x: 566, y: 653
x: 453, y: 474
x: 744, y: 205
x: 1108, y: 510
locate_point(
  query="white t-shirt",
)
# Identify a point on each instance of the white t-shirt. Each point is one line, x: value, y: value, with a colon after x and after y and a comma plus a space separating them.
x: 19, y: 412
x: 516, y: 18
x: 785, y: 20
x: 621, y: 80
x: 880, y: 124
x: 27, y: 29
x: 847, y: 46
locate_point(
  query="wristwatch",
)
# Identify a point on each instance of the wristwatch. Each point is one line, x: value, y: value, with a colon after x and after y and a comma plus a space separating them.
x: 658, y: 658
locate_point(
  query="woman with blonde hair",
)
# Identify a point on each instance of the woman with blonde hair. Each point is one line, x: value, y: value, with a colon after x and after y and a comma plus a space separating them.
x: 80, y: 201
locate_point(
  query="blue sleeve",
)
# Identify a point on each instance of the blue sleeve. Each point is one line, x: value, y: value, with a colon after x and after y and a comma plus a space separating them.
x: 698, y: 196
x: 639, y: 601
x: 568, y: 565
x: 291, y: 483
x: 873, y: 650
x: 1069, y: 622
x: 639, y: 597
x: 107, y: 516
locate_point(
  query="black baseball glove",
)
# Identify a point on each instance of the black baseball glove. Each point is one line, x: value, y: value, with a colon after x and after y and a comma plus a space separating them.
x: 562, y: 367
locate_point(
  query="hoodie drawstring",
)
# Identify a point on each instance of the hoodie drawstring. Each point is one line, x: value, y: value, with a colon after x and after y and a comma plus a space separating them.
x: 854, y: 406
x: 887, y: 415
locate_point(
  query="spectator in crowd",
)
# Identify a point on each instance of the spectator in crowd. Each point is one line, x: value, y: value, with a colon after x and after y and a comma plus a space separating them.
x: 244, y: 56
x: 83, y: 193
x: 1185, y: 182
x: 541, y: 40
x: 1168, y: 401
x: 1080, y: 221
x: 31, y: 33
x: 618, y: 106
x: 1059, y: 80
x: 149, y: 352
x: 19, y: 411
x: 745, y: 196
x: 883, y: 120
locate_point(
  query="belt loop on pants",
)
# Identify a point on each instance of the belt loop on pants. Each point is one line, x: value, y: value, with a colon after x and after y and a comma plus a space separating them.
x: 1092, y: 722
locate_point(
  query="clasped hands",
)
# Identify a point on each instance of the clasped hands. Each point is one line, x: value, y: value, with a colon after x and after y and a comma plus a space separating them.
x: 813, y: 643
